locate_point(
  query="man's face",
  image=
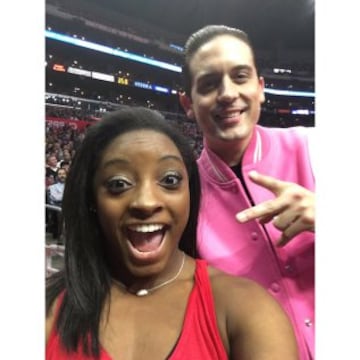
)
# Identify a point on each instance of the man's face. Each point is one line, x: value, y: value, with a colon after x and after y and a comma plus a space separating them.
x: 67, y: 155
x: 226, y: 92
x: 52, y: 161
x: 61, y: 175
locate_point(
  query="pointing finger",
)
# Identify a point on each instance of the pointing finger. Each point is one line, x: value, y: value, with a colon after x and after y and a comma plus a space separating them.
x: 269, y: 182
x: 267, y: 209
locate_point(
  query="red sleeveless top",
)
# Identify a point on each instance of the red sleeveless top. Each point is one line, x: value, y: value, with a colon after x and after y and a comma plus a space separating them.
x: 199, y: 338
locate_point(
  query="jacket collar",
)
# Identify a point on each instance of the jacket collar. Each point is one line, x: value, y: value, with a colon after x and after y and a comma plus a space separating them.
x: 217, y: 169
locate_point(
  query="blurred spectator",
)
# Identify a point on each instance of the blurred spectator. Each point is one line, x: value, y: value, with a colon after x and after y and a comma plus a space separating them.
x: 66, y: 157
x: 65, y: 165
x: 56, y: 190
x: 51, y: 166
x: 54, y: 196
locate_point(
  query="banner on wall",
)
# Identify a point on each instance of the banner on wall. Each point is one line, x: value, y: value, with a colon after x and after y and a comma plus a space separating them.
x: 75, y: 124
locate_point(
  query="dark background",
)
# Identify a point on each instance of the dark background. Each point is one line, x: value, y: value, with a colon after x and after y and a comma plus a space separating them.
x: 282, y: 33
x: 279, y: 23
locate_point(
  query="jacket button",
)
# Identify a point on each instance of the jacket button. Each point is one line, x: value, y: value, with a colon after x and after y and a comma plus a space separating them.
x: 254, y: 236
x: 289, y: 269
x: 308, y: 322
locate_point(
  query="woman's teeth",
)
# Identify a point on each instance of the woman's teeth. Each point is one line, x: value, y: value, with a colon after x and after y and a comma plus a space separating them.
x: 146, y: 228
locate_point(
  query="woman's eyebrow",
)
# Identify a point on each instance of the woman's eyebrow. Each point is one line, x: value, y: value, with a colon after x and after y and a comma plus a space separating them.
x: 116, y: 161
x: 171, y: 157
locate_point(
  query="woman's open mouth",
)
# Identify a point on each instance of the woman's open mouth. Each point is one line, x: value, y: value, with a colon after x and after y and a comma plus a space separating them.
x: 146, y: 238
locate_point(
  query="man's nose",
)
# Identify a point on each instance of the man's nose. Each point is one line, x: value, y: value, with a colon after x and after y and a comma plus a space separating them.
x: 228, y: 90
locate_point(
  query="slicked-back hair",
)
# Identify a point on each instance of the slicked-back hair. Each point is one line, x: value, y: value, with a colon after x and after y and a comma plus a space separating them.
x: 85, y: 280
x: 201, y: 37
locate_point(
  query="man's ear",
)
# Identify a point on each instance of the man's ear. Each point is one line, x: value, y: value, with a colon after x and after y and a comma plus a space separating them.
x: 261, y: 89
x: 186, y: 105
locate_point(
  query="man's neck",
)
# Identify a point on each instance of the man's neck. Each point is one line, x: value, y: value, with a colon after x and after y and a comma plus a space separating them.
x: 231, y: 152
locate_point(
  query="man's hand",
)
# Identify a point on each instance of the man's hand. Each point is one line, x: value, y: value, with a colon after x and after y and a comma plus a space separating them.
x: 292, y: 211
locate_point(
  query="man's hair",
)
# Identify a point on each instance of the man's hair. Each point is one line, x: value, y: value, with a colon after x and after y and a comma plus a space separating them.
x: 63, y: 163
x: 60, y: 169
x: 86, y: 276
x: 201, y: 37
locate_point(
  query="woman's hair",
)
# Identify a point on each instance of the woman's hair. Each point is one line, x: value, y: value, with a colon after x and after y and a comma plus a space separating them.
x: 201, y: 37
x: 86, y: 275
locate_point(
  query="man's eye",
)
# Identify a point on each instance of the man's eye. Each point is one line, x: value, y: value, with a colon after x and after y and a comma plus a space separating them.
x: 207, y: 86
x: 241, y: 77
x: 171, y: 181
x: 117, y: 185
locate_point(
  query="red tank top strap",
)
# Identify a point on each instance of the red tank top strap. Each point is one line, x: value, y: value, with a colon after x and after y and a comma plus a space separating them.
x: 200, y: 337
x: 202, y: 278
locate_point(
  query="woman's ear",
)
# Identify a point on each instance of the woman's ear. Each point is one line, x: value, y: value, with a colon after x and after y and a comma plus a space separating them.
x: 186, y: 105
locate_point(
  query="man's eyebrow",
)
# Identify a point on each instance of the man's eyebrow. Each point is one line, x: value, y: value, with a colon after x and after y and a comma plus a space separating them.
x: 213, y: 72
x: 244, y: 66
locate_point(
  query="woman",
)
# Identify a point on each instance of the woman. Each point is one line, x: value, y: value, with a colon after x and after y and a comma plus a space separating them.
x: 131, y: 287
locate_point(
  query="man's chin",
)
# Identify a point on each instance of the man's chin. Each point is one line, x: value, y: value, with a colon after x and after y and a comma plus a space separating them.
x: 230, y: 135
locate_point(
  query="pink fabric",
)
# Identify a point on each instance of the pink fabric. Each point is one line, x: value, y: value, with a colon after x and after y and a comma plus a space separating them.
x: 199, y: 339
x: 246, y: 249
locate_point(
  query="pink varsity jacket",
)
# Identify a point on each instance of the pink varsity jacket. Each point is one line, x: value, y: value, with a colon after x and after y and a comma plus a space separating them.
x: 248, y: 249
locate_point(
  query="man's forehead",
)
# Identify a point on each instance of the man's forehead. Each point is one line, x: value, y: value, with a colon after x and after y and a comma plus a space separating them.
x: 224, y: 48
x: 219, y: 56
x: 224, y: 41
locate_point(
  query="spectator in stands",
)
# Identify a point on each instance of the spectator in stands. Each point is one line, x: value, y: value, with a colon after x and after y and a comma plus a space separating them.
x: 51, y: 165
x: 65, y: 158
x: 56, y: 191
x: 54, y: 197
x: 130, y: 287
x: 65, y: 165
x: 258, y: 183
x: 50, y: 171
x: 57, y: 150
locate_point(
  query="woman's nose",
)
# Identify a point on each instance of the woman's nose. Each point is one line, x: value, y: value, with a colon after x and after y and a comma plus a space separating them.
x: 146, y: 201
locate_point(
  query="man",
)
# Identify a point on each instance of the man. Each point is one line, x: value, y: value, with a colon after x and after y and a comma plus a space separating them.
x: 54, y: 196
x: 51, y: 166
x: 258, y: 208
x: 56, y: 191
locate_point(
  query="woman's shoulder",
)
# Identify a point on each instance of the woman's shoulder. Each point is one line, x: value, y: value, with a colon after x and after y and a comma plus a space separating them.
x: 236, y: 294
x: 51, y: 316
x: 249, y: 311
x: 237, y: 284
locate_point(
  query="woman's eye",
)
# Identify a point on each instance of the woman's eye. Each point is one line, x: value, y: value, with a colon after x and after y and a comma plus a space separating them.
x: 171, y: 181
x: 117, y: 185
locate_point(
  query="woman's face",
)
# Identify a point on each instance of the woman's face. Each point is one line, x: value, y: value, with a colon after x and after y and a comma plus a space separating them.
x: 143, y: 200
